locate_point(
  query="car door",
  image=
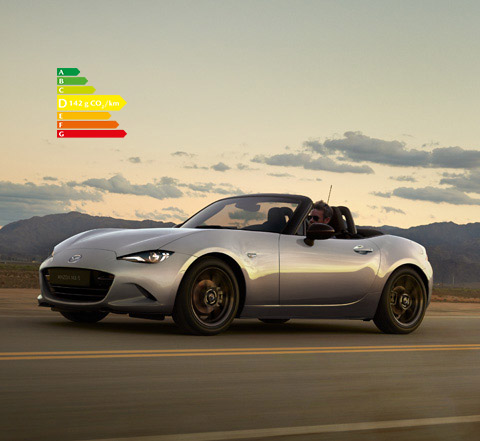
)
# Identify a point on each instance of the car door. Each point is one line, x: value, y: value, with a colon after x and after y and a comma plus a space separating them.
x: 331, y: 272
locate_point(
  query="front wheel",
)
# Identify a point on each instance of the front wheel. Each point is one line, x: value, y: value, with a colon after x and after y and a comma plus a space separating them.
x: 208, y: 298
x: 84, y: 316
x: 403, y: 303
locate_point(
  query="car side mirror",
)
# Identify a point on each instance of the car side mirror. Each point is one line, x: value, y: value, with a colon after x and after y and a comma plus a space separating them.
x: 318, y: 232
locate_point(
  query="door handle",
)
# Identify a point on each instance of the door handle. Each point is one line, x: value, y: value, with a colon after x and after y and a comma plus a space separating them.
x: 361, y: 250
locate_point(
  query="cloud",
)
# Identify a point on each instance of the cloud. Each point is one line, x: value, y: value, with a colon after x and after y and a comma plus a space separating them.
x: 381, y: 194
x: 163, y: 215
x: 175, y: 210
x: 245, y: 167
x: 13, y: 210
x: 45, y: 192
x: 185, y: 154
x: 392, y: 210
x: 308, y: 162
x: 437, y: 195
x: 468, y: 183
x: 49, y: 178
x: 355, y: 146
x: 455, y: 157
x: 210, y: 187
x: 21, y: 201
x: 221, y: 167
x: 161, y: 189
x: 280, y: 175
x: 195, y: 167
x: 403, y: 178
x: 135, y: 160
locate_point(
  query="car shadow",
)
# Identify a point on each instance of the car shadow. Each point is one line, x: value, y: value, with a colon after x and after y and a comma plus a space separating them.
x: 240, y: 327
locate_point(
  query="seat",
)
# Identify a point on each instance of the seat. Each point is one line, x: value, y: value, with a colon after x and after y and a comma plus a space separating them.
x: 337, y: 222
x: 276, y: 221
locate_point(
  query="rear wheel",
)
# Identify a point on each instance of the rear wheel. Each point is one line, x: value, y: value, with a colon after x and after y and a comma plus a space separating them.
x: 403, y: 303
x: 274, y: 321
x: 84, y: 316
x: 208, y: 298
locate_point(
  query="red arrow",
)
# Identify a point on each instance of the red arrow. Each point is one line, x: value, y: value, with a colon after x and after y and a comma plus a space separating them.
x: 91, y: 133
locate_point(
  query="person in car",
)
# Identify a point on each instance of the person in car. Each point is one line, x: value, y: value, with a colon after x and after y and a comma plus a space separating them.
x: 321, y: 213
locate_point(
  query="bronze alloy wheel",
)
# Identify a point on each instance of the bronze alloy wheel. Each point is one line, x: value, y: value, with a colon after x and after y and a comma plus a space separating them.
x: 403, y: 303
x: 406, y: 299
x: 208, y: 298
x: 212, y: 296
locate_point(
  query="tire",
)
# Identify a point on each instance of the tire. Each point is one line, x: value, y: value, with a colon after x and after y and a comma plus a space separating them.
x: 84, y: 316
x: 403, y: 303
x: 208, y: 298
x: 274, y: 321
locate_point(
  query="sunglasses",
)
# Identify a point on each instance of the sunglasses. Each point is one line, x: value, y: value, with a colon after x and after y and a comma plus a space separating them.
x: 315, y: 218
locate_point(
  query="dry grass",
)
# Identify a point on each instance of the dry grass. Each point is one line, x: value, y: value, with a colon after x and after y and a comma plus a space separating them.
x: 19, y: 275
x: 456, y: 294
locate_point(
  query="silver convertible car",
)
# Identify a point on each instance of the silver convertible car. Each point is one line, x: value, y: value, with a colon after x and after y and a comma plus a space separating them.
x: 251, y: 256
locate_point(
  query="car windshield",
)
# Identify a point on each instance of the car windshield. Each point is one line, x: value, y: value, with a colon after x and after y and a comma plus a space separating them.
x: 268, y: 213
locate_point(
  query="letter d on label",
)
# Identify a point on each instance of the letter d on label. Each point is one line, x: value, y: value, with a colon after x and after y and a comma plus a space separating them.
x: 62, y: 103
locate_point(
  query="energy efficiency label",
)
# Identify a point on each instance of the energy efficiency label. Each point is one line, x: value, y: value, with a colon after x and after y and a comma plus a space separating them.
x: 81, y: 113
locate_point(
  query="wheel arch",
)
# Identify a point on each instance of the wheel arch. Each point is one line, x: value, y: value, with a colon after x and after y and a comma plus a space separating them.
x: 420, y: 272
x: 233, y: 264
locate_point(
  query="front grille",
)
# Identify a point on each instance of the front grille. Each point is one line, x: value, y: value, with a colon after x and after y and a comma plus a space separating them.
x: 77, y: 285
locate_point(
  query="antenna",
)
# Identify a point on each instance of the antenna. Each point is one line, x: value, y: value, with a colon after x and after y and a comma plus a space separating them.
x: 329, y: 193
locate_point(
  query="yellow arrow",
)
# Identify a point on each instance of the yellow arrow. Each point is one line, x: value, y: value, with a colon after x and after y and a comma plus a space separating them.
x: 93, y: 102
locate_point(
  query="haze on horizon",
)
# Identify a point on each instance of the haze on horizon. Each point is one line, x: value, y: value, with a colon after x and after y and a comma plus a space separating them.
x: 377, y: 98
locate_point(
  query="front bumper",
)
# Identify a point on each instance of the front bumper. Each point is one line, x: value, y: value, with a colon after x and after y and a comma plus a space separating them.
x: 136, y: 288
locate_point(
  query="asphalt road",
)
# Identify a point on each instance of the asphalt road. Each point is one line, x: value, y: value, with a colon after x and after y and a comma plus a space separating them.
x: 305, y: 380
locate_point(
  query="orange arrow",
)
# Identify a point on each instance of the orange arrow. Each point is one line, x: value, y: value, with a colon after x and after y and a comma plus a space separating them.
x: 83, y: 115
x: 87, y: 124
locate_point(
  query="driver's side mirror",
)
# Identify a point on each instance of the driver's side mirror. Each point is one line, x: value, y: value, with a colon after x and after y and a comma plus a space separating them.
x: 318, y: 232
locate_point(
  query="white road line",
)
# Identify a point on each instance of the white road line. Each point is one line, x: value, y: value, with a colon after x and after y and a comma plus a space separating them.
x: 301, y: 430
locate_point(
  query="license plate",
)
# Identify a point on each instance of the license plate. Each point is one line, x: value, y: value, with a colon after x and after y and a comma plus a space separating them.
x: 69, y: 277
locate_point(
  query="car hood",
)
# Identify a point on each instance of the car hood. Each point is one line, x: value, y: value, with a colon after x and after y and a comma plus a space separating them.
x: 125, y: 241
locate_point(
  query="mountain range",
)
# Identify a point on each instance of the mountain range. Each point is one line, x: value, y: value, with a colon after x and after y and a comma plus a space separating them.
x: 453, y: 250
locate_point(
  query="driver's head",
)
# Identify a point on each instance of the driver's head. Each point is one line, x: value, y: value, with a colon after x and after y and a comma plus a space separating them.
x: 321, y: 213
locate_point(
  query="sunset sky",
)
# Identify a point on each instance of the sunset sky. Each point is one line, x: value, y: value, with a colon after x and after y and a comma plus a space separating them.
x: 380, y: 99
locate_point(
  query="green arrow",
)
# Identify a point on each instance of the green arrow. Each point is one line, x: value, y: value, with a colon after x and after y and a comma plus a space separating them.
x: 67, y: 71
x: 71, y: 81
x: 75, y: 89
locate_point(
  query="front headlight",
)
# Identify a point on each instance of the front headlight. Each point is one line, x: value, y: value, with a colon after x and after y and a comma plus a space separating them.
x: 154, y: 256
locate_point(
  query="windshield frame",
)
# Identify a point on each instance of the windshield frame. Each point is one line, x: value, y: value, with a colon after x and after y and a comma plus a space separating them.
x: 304, y: 204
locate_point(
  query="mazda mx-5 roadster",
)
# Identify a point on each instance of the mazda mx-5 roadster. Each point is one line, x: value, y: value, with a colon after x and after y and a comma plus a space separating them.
x: 253, y: 256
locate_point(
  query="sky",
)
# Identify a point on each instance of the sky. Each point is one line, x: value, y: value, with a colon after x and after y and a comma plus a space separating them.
x: 378, y: 99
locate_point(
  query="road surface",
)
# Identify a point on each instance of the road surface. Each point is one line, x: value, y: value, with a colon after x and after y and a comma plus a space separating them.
x: 142, y: 380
